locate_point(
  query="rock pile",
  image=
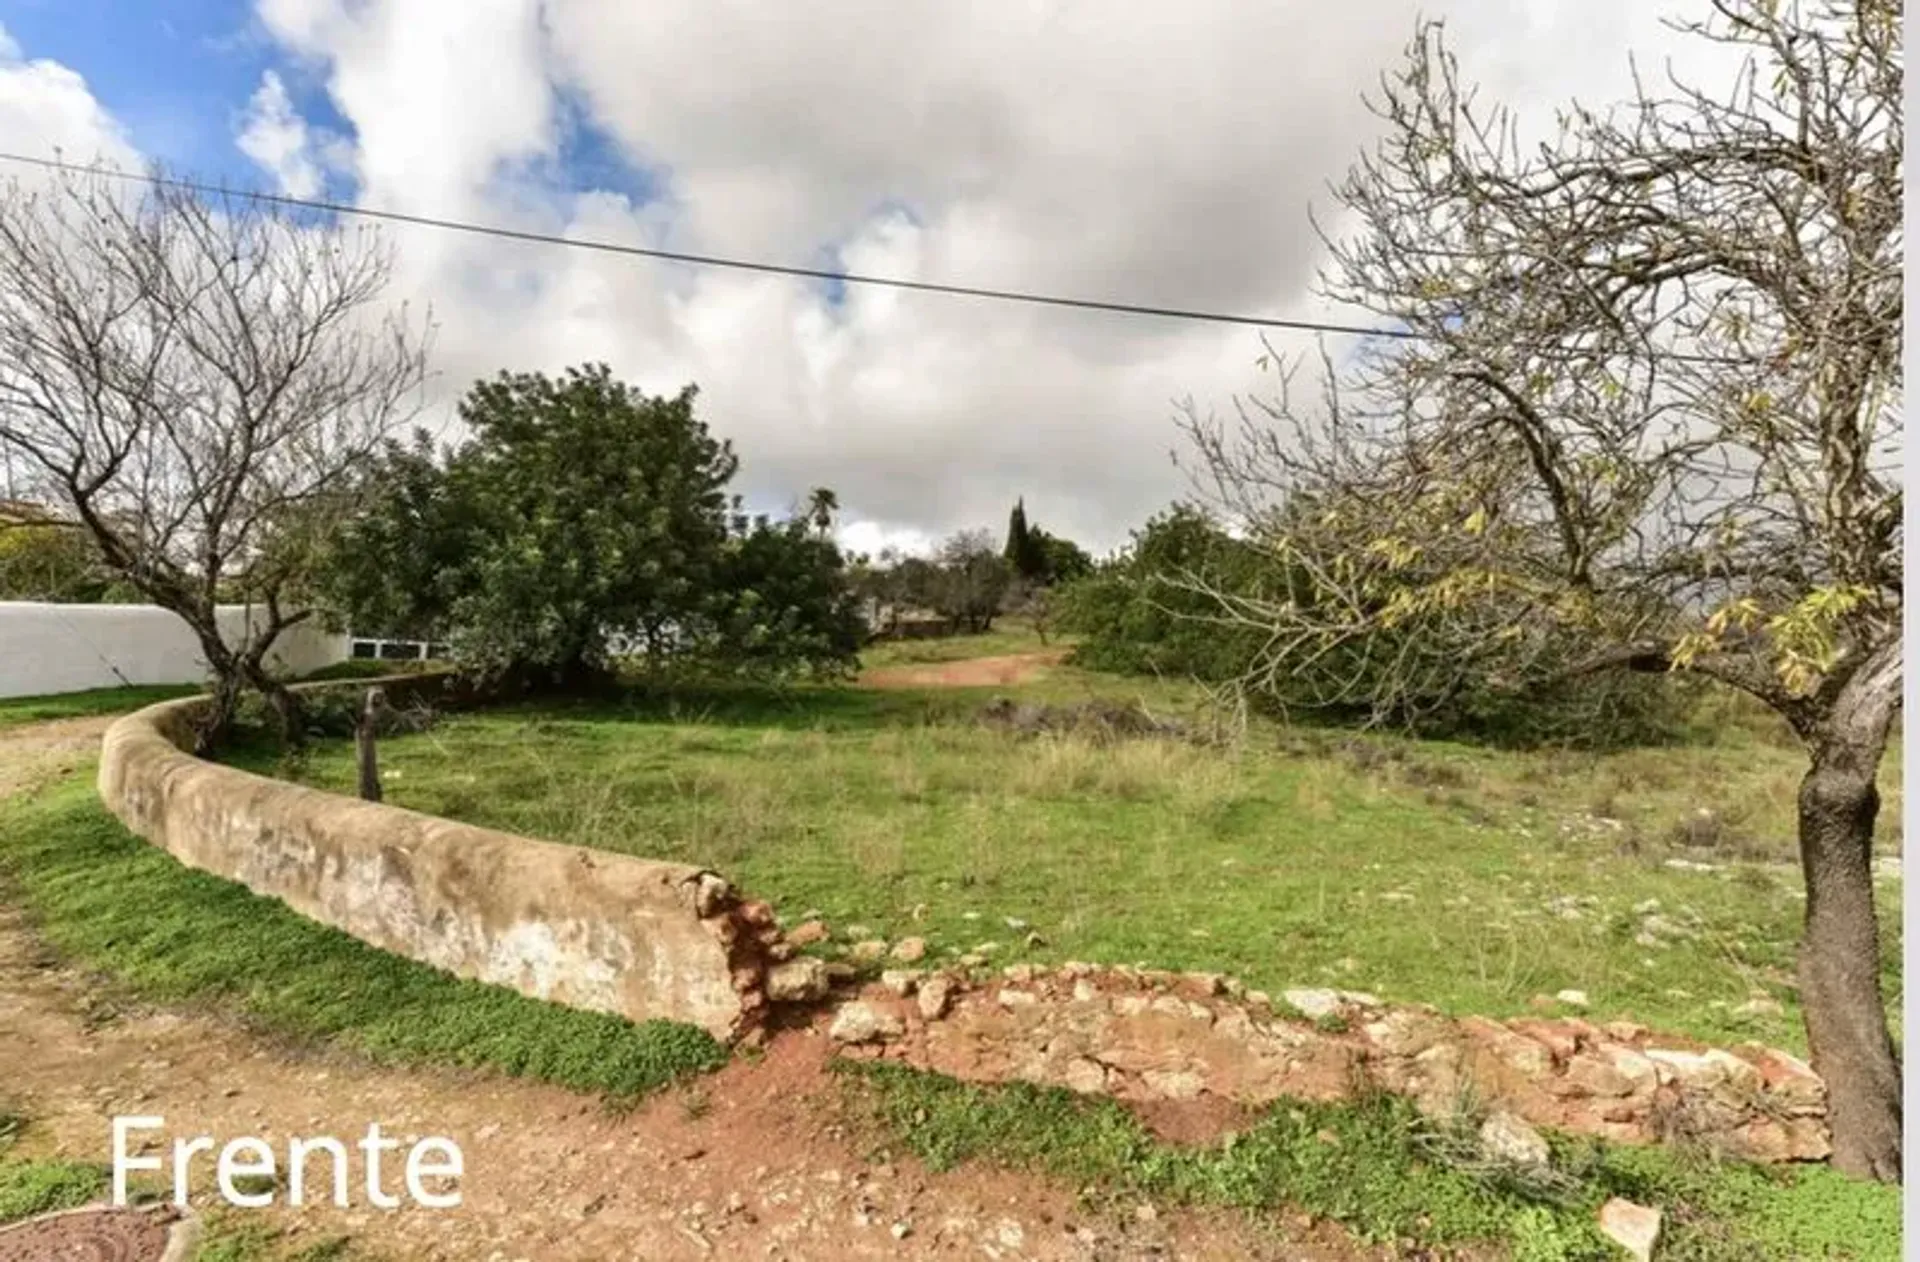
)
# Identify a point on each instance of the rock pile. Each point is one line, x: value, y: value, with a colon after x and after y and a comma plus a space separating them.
x: 1144, y: 1036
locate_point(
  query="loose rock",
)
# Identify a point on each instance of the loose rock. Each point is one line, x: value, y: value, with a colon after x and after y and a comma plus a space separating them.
x: 1086, y: 1076
x: 863, y: 1023
x: 809, y: 933
x: 934, y: 994
x: 1313, y: 1003
x: 910, y: 950
x: 1635, y: 1228
x: 1507, y: 1138
x: 797, y: 981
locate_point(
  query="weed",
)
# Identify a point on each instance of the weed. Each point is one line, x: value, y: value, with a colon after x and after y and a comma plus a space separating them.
x: 1375, y: 1165
x: 28, y: 1188
x: 236, y: 1237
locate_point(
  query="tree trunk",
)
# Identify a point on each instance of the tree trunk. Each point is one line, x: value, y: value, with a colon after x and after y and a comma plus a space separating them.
x: 1839, y: 969
x: 217, y: 722
x: 285, y: 706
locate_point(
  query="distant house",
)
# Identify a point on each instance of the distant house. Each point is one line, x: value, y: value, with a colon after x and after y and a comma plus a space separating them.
x: 904, y: 622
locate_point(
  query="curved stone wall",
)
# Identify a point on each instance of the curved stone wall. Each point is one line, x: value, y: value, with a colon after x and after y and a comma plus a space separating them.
x: 580, y: 927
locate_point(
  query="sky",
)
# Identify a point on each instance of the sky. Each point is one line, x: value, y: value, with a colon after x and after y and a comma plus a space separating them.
x: 1125, y: 151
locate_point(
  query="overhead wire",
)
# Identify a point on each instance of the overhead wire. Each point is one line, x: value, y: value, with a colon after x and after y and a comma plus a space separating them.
x: 748, y: 265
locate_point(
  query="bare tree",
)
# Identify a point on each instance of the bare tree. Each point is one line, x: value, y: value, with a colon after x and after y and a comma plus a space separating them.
x: 1648, y: 420
x: 192, y: 382
x: 971, y: 582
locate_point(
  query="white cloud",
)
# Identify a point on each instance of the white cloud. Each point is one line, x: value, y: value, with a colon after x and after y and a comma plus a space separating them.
x: 276, y: 137
x: 47, y: 110
x: 1133, y: 151
x: 868, y: 538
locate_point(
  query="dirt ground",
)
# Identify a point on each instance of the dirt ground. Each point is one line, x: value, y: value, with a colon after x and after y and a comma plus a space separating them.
x: 754, y: 1162
x: 977, y: 672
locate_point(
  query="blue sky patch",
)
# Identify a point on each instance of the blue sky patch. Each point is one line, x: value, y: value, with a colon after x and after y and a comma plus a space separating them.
x: 176, y: 76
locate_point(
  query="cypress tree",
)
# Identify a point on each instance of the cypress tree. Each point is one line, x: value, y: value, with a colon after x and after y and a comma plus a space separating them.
x: 1020, y: 552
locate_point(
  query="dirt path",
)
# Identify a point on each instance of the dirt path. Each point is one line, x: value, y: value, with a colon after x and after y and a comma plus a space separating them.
x: 754, y: 1162
x: 976, y: 672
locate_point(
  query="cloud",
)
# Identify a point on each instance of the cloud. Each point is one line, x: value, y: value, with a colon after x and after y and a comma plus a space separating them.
x: 1119, y: 150
x: 47, y: 110
x: 274, y: 136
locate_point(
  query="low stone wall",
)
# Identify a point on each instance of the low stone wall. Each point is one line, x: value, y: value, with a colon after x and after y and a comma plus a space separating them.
x: 1149, y: 1037
x: 579, y: 927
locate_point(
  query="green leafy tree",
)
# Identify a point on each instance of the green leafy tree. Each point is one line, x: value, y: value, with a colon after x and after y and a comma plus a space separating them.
x: 1062, y: 560
x: 1145, y: 612
x: 51, y: 562
x: 783, y: 603
x: 1023, y: 553
x: 1037, y: 558
x: 580, y: 508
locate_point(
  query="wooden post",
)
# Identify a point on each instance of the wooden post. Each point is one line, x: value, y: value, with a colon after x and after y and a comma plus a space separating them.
x: 363, y: 730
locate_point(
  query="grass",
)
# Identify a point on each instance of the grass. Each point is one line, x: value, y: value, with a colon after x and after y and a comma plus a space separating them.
x: 1007, y: 638
x: 31, y: 1188
x: 1384, y: 1172
x: 1470, y: 878
x: 161, y: 932
x: 16, y: 711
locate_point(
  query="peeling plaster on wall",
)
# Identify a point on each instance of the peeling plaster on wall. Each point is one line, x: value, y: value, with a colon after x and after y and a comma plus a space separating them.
x: 587, y: 929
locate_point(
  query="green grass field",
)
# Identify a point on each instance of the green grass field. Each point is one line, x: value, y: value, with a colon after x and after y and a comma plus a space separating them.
x: 1659, y: 881
x: 1472, y: 878
x: 17, y: 711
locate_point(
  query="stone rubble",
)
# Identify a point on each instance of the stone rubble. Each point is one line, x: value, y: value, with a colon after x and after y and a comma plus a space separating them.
x: 1148, y: 1035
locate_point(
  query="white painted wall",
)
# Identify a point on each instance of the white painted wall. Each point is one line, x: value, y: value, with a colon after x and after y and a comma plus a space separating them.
x: 69, y: 648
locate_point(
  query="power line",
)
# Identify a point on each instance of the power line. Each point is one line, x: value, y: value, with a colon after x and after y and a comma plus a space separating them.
x: 749, y: 265
x: 709, y: 260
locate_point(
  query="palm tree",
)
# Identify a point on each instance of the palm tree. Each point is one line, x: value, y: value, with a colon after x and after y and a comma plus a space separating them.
x: 822, y: 504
